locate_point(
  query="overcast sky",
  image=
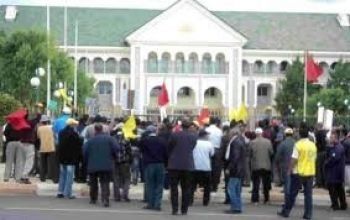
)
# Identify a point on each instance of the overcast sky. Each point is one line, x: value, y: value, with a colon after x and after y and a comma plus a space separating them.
x: 325, y: 6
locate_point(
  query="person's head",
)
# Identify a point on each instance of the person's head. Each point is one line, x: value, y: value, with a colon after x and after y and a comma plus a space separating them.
x: 98, y: 119
x: 233, y: 123
x: 66, y: 111
x: 203, y: 134
x: 289, y: 132
x: 243, y: 127
x: 98, y: 128
x: 44, y: 120
x: 334, y: 137
x: 186, y: 123
x: 71, y: 122
x: 259, y: 132
x: 303, y: 130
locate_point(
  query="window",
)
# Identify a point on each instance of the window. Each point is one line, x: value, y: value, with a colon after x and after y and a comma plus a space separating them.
x: 155, y: 91
x: 180, y: 63
x: 245, y: 67
x: 98, y: 65
x: 192, y: 63
x: 272, y: 67
x: 185, y: 91
x: 84, y: 65
x: 111, y: 65
x: 104, y: 88
x: 165, y: 63
x: 124, y: 65
x: 283, y: 66
x: 259, y: 67
x: 220, y: 63
x: 207, y: 64
x: 152, y: 65
x: 211, y: 92
x: 262, y: 91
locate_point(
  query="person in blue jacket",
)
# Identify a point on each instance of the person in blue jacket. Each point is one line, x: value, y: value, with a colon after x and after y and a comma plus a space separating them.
x: 334, y: 172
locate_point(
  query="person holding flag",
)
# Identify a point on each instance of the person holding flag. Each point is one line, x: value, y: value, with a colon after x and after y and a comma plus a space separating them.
x: 163, y: 100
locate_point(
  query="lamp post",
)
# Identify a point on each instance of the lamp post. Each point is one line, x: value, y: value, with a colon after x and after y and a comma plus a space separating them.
x: 346, y: 103
x: 35, y: 81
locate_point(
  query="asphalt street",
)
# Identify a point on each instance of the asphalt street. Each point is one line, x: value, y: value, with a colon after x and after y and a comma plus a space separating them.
x: 49, y: 208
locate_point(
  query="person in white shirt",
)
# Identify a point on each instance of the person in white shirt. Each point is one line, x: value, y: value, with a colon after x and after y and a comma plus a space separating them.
x: 215, y: 136
x: 202, y: 153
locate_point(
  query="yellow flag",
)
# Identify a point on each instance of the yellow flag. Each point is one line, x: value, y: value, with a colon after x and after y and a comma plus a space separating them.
x: 242, y: 113
x: 129, y: 127
x: 233, y: 114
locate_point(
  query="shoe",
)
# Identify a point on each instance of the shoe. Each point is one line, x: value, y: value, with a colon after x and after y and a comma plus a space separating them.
x: 174, y: 212
x: 25, y: 181
x: 60, y: 196
x: 106, y: 204
x: 127, y: 200
x: 304, y: 217
x: 226, y: 202
x: 6, y: 180
x: 159, y: 209
x: 93, y: 202
x: 184, y: 213
x: 71, y: 197
x: 282, y: 214
x: 148, y: 207
x: 117, y: 200
x: 233, y: 212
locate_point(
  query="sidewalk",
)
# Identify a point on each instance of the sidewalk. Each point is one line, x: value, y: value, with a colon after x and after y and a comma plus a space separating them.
x: 37, y: 188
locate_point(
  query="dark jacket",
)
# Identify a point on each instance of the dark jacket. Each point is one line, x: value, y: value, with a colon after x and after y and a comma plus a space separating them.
x: 335, y: 164
x: 11, y: 134
x: 284, y: 154
x: 99, y: 153
x: 69, y: 146
x: 180, y: 150
x: 321, y: 142
x: 154, y: 149
x: 346, y: 144
x: 236, y: 161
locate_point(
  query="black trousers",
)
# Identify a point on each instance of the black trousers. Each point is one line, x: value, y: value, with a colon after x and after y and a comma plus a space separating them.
x: 217, y: 165
x: 184, y: 178
x: 320, y: 175
x: 337, y: 195
x: 201, y: 178
x: 48, y: 168
x: 104, y: 178
x: 257, y: 176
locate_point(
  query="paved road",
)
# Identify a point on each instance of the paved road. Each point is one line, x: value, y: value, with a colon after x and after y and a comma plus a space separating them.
x: 48, y: 208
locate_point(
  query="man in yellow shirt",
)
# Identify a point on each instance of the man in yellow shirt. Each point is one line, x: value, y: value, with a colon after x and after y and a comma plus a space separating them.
x: 303, y: 171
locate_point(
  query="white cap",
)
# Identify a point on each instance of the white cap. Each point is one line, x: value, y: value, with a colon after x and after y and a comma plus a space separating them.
x: 258, y: 130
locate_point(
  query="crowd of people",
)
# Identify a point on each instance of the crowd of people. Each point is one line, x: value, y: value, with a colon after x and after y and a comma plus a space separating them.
x: 186, y: 153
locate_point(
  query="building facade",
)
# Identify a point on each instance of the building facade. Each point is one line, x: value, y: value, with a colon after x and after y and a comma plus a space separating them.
x: 206, y: 58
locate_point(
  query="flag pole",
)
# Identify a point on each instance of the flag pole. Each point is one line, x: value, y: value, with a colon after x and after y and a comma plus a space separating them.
x: 76, y: 66
x: 48, y: 92
x: 305, y: 86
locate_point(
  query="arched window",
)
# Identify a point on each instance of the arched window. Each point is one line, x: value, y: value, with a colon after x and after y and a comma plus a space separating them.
x: 180, y: 63
x: 207, y: 64
x: 284, y: 66
x: 111, y: 65
x: 245, y: 67
x: 104, y: 88
x: 98, y: 65
x: 333, y: 66
x: 84, y: 65
x: 192, y: 63
x: 165, y: 63
x: 124, y: 65
x: 220, y: 63
x: 259, y: 67
x: 152, y: 65
x: 272, y: 67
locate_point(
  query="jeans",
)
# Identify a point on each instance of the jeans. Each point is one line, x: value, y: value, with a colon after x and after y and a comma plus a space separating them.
x: 184, y: 178
x: 135, y: 170
x: 286, y: 186
x: 104, y: 178
x: 154, y: 184
x: 201, y: 178
x: 66, y: 180
x: 257, y: 176
x: 295, y: 185
x: 235, y: 190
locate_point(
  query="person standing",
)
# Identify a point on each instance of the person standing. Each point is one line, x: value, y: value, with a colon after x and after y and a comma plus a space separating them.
x: 69, y: 152
x: 346, y: 144
x: 154, y: 150
x: 321, y: 144
x: 215, y: 136
x: 304, y: 169
x: 202, y: 153
x: 334, y: 172
x: 99, y: 153
x: 180, y: 165
x: 261, y: 156
x: 47, y: 148
x: 283, y: 159
x: 234, y: 156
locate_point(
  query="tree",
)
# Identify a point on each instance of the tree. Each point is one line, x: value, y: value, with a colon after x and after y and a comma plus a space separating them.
x: 291, y: 91
x: 8, y: 104
x: 331, y: 98
x: 22, y: 52
x: 340, y: 77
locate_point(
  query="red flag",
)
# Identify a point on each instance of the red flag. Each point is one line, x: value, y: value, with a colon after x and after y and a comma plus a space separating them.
x: 17, y: 119
x: 204, y: 115
x: 163, y: 98
x: 313, y: 70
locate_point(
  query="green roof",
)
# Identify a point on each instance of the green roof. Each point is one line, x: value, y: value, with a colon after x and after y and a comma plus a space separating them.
x: 110, y: 27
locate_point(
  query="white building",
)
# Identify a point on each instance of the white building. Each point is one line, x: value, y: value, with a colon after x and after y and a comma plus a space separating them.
x: 213, y: 58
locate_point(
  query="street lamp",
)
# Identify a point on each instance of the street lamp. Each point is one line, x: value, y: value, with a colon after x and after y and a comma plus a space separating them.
x: 35, y: 81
